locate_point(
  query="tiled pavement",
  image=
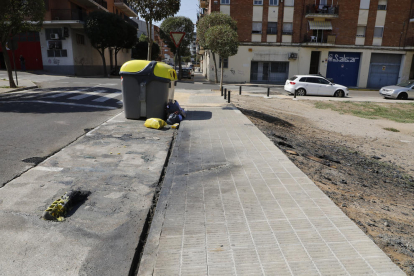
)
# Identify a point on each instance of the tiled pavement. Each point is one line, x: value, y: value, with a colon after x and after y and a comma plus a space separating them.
x: 233, y: 204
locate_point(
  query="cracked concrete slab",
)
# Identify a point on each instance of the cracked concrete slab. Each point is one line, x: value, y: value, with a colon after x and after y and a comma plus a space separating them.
x: 120, y: 163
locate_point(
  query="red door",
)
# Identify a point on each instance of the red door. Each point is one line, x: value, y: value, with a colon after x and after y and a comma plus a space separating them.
x: 29, y: 48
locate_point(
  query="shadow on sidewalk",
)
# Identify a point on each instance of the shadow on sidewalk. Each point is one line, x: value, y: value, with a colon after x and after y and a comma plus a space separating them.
x: 198, y: 115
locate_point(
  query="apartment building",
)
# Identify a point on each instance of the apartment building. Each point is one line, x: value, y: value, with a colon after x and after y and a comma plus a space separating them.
x: 62, y: 47
x: 357, y: 43
x: 165, y: 52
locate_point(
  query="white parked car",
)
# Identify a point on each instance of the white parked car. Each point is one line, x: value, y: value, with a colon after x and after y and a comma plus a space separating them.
x: 314, y: 85
x: 401, y: 91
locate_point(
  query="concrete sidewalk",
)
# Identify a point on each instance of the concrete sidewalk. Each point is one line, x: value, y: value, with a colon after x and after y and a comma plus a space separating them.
x: 233, y: 204
x: 23, y: 85
x: 120, y: 163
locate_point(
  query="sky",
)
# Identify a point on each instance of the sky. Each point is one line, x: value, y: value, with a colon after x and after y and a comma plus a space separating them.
x: 188, y: 9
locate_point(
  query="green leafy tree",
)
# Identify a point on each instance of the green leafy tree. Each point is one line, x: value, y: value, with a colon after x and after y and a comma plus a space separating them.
x: 154, y: 10
x: 178, y: 24
x: 17, y: 16
x: 224, y: 41
x: 102, y: 28
x: 127, y: 38
x: 140, y: 51
x: 187, y: 59
x: 209, y: 21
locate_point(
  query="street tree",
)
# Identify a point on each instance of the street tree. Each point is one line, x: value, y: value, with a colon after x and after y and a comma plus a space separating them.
x: 17, y: 16
x: 177, y: 24
x: 154, y: 10
x: 209, y: 21
x: 127, y: 38
x: 224, y: 41
x: 102, y: 28
x: 140, y: 49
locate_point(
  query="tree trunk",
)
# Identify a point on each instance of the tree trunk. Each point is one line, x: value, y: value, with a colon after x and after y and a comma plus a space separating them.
x: 149, y: 30
x: 215, y: 67
x: 222, y: 69
x: 103, y: 61
x: 179, y: 64
x: 8, y: 66
x: 111, y: 63
x: 116, y: 59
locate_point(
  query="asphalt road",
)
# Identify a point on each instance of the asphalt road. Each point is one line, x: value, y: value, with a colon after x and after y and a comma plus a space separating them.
x: 36, y: 123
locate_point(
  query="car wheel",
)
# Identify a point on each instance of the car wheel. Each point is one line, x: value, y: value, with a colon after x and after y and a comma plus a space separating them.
x: 301, y: 92
x: 402, y: 96
x: 339, y: 93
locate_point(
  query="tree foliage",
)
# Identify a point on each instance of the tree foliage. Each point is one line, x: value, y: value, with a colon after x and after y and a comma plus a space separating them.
x: 224, y: 41
x: 178, y: 24
x: 211, y: 20
x: 154, y: 10
x: 140, y: 50
x: 106, y: 30
x: 127, y: 38
x: 206, y: 23
x: 17, y: 16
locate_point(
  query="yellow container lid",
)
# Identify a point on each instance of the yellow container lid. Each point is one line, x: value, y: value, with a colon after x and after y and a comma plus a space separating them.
x: 161, y: 69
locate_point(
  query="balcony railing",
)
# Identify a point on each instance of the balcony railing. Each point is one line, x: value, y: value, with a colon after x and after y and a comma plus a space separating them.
x: 328, y: 39
x: 409, y: 42
x: 322, y: 11
x: 127, y: 4
x: 131, y: 22
x: 271, y: 31
x: 102, y: 3
x: 79, y: 15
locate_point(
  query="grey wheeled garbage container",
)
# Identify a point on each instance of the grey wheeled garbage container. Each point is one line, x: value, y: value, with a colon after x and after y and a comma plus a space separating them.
x: 147, y: 87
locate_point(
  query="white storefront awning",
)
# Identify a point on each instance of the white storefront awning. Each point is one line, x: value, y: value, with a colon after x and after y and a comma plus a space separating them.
x: 320, y: 25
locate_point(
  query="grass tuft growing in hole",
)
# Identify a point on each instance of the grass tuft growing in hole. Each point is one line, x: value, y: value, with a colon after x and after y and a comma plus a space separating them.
x: 391, y: 129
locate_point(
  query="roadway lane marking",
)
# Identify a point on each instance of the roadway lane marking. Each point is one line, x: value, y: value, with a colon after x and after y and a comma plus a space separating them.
x: 48, y: 169
x: 107, y: 97
x: 86, y: 95
x: 71, y: 104
x: 60, y: 94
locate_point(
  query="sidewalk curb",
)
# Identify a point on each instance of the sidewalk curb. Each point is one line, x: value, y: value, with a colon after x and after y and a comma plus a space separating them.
x: 147, y: 263
x: 20, y: 89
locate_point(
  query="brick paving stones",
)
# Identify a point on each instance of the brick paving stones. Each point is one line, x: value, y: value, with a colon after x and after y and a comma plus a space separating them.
x: 234, y: 204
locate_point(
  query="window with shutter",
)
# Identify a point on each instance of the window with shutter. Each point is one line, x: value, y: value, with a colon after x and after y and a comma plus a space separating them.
x: 257, y: 28
x: 364, y: 5
x: 361, y: 31
x: 289, y: 3
x: 271, y: 27
x: 287, y: 28
x: 378, y: 31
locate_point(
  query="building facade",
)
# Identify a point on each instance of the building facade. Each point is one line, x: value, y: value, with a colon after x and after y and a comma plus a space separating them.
x: 165, y: 52
x: 357, y: 43
x: 62, y: 46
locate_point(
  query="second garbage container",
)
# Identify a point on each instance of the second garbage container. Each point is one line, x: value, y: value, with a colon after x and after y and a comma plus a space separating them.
x: 147, y: 86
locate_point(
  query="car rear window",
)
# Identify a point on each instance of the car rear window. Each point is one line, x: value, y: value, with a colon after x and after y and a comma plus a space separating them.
x: 293, y: 78
x: 302, y: 80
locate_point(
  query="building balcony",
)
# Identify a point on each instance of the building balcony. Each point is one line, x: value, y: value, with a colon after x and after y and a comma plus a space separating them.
x: 92, y: 4
x: 126, y: 8
x: 68, y: 15
x: 326, y: 40
x: 131, y: 22
x: 322, y: 11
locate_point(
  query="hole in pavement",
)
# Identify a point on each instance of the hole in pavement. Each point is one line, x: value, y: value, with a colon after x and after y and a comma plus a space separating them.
x: 66, y: 205
x: 34, y: 160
